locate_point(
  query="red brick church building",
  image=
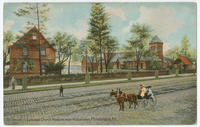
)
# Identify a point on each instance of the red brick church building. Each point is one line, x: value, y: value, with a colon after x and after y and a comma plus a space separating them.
x: 24, y: 54
x: 121, y: 63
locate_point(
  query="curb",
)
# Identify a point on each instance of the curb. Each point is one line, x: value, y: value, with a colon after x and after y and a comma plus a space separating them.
x: 18, y: 91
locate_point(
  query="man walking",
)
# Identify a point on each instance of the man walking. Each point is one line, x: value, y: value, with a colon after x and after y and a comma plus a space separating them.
x: 61, y: 91
x: 13, y: 83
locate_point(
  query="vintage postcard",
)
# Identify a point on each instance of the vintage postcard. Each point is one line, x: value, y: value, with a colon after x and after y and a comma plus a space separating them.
x: 99, y: 63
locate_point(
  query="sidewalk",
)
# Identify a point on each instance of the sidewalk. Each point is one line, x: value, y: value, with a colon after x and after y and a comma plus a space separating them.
x: 114, y: 80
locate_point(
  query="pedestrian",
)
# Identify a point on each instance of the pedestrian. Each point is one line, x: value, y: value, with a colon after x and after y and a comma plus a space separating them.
x: 61, y: 90
x: 13, y: 82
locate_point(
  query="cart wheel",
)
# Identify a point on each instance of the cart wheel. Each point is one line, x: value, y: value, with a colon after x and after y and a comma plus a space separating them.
x: 152, y: 101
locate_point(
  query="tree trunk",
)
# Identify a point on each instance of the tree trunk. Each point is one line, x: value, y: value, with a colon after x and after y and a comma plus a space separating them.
x: 69, y: 66
x: 60, y: 71
x: 86, y: 65
x: 137, y: 65
x: 69, y: 63
x: 101, y: 64
x: 97, y: 67
x: 92, y: 64
x: 106, y: 63
x: 38, y: 19
x: 4, y: 63
x: 106, y: 67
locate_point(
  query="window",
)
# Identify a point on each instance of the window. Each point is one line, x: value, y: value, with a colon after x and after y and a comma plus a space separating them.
x: 159, y: 48
x: 25, y: 68
x: 25, y: 51
x: 141, y: 65
x: 153, y: 48
x: 43, y: 68
x: 43, y: 51
x: 34, y: 36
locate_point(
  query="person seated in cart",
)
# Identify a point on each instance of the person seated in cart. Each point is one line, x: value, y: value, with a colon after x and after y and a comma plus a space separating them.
x: 149, y: 93
x: 142, y: 92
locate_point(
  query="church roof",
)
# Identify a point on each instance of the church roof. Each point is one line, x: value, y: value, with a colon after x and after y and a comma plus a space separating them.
x: 155, y: 39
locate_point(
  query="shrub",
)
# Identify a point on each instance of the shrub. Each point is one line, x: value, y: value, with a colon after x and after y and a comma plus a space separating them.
x: 87, y: 78
x: 24, y: 83
x: 54, y: 68
x: 129, y: 75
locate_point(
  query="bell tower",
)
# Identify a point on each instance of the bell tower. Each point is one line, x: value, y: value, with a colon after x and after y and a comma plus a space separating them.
x: 157, y: 45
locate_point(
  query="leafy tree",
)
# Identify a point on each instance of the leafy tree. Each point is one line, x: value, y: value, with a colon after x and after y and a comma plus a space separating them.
x: 155, y: 63
x: 88, y: 49
x: 25, y: 60
x: 185, y: 47
x: 64, y: 45
x: 137, y: 44
x: 93, y: 55
x: 38, y: 15
x: 83, y: 51
x: 76, y: 56
x: 54, y: 68
x: 71, y: 41
x: 173, y: 53
x: 109, y: 48
x: 98, y: 29
x: 8, y: 39
x: 82, y: 48
x: 193, y: 54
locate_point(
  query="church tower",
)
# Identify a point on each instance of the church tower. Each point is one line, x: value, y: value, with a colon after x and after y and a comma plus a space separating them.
x: 157, y: 45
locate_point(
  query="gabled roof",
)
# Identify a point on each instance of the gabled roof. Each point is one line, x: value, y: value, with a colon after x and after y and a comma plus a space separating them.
x: 185, y: 60
x: 34, y: 29
x: 155, y: 39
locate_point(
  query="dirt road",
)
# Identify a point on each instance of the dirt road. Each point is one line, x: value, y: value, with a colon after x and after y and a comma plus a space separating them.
x: 93, y: 105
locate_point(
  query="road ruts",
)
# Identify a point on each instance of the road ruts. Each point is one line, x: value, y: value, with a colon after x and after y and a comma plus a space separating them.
x: 39, y: 105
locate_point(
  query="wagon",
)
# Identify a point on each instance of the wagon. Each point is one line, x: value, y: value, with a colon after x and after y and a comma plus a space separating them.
x: 148, y: 101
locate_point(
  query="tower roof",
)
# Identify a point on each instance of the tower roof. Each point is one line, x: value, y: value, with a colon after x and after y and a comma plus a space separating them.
x: 155, y: 39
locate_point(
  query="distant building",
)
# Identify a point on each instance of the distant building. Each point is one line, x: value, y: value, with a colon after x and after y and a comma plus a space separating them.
x: 184, y: 64
x: 92, y: 64
x: 24, y: 54
x: 130, y: 63
x: 157, y: 45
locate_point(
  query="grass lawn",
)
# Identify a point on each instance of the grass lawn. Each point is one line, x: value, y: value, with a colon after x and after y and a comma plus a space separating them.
x: 71, y: 86
x: 65, y: 86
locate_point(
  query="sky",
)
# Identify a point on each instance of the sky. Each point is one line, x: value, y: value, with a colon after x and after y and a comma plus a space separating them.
x: 169, y: 21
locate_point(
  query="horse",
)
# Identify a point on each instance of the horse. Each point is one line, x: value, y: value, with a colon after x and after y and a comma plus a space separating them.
x: 120, y: 99
x: 120, y: 92
x: 112, y: 93
x: 131, y: 98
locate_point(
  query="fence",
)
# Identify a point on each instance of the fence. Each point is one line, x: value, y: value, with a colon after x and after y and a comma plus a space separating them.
x: 6, y: 80
x: 37, y: 80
